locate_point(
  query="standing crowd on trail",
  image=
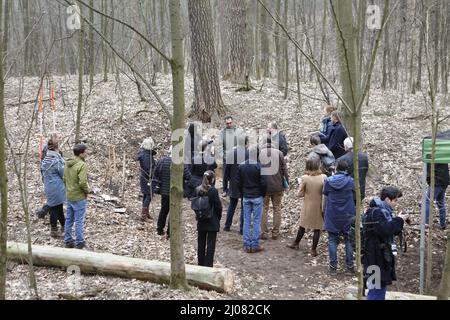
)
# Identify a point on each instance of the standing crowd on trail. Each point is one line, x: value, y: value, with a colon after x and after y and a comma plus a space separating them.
x: 254, y: 175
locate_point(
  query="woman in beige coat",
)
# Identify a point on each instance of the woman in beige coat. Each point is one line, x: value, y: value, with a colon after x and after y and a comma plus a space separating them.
x: 311, y: 216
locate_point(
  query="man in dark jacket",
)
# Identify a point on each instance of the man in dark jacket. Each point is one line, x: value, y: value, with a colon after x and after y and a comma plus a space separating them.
x: 234, y: 158
x: 275, y: 170
x: 278, y: 138
x: 252, y: 185
x: 335, y: 141
x: 201, y: 162
x: 363, y: 162
x: 442, y: 180
x: 147, y: 165
x: 379, y: 228
x: 339, y: 212
x: 162, y: 173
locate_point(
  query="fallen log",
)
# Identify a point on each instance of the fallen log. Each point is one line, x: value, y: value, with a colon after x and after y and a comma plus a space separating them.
x: 217, y: 279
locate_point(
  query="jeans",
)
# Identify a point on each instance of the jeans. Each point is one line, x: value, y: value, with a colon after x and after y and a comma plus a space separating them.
x: 76, y: 213
x: 439, y: 197
x: 377, y: 294
x: 276, y: 198
x: 230, y: 213
x: 163, y: 213
x: 57, y: 214
x: 255, y: 206
x: 333, y: 242
x: 146, y: 200
x: 206, y: 248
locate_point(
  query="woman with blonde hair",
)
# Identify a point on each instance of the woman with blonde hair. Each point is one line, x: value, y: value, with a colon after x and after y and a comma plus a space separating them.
x: 311, y: 216
x: 147, y: 165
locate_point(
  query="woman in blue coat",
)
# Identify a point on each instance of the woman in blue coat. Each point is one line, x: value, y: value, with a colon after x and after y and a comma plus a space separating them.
x: 147, y: 165
x: 52, y: 170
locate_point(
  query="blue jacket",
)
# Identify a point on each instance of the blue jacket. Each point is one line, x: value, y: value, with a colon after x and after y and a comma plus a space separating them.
x: 340, y: 203
x: 147, y: 167
x: 52, y: 171
x: 325, y: 129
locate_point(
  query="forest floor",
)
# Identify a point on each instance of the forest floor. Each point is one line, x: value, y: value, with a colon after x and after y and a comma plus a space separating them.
x: 393, y: 127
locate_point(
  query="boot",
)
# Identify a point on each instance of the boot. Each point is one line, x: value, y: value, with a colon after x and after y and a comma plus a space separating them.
x: 294, y: 245
x: 145, y: 215
x: 314, y: 253
x: 54, y: 232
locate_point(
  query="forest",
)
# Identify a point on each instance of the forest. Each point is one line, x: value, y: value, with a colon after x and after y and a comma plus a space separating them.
x: 105, y: 106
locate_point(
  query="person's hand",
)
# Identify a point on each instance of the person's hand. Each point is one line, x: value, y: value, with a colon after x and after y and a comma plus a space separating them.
x: 404, y: 217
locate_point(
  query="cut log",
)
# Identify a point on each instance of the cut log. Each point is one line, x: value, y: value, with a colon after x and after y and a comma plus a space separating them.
x: 217, y: 279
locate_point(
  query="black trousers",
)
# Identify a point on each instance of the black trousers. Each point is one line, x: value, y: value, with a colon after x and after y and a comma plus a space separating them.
x: 57, y: 214
x: 206, y: 248
x: 163, y: 213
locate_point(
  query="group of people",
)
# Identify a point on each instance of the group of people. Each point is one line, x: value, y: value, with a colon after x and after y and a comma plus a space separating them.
x: 65, y: 182
x: 254, y: 174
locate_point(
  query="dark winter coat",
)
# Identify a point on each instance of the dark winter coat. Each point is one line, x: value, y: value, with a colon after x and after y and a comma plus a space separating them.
x: 273, y: 159
x: 197, y: 169
x: 213, y: 224
x: 379, y: 229
x: 325, y: 128
x: 162, y: 173
x: 340, y: 203
x: 442, y: 178
x: 234, y: 158
x: 279, y: 142
x: 251, y: 183
x: 147, y: 165
x: 363, y: 161
x: 336, y: 140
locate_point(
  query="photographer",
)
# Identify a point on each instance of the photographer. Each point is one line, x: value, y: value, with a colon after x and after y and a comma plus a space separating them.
x: 379, y: 229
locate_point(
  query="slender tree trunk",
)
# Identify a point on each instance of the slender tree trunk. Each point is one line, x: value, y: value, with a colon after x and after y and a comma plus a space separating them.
x: 80, y: 78
x: 162, y: 27
x: 257, y: 37
x: 178, y: 271
x: 297, y: 69
x: 104, y: 46
x: 419, y: 56
x: 207, y: 97
x: 265, y: 44
x: 3, y: 173
x: 91, y: 48
x: 286, y: 52
x: 278, y: 50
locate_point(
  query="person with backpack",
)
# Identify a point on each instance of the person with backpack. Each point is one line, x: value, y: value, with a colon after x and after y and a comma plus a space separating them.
x: 162, y: 174
x: 327, y: 160
x: 52, y: 171
x: 363, y: 163
x: 379, y: 229
x: 311, y: 216
x: 340, y: 210
x: 235, y: 157
x: 147, y: 165
x: 208, y: 212
x: 277, y: 178
x: 252, y: 185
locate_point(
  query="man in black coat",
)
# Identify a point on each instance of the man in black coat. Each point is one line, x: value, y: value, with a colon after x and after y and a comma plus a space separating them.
x: 379, y: 229
x: 234, y: 158
x: 441, y: 183
x: 363, y: 162
x: 162, y: 173
x: 335, y: 141
x: 278, y: 138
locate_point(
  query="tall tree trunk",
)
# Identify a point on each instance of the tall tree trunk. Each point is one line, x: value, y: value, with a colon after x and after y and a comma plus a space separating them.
x: 237, y: 49
x: 104, y: 27
x: 286, y: 52
x: 3, y: 173
x: 265, y: 43
x: 177, y: 265
x: 421, y: 40
x: 278, y: 50
x: 257, y: 37
x: 207, y: 97
x: 26, y: 31
x: 162, y: 28
x: 297, y: 69
x: 80, y: 78
x: 91, y: 47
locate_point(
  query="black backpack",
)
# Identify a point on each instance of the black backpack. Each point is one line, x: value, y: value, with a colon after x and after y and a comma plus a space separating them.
x: 201, y: 207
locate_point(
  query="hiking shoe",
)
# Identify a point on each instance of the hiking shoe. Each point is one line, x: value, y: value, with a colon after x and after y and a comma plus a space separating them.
x: 81, y: 246
x: 41, y: 213
x: 248, y: 250
x: 160, y: 232
x: 226, y: 229
x: 350, y: 271
x: 69, y: 245
x: 332, y: 271
x: 258, y: 249
x: 54, y: 233
x: 314, y: 253
x: 294, y: 246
